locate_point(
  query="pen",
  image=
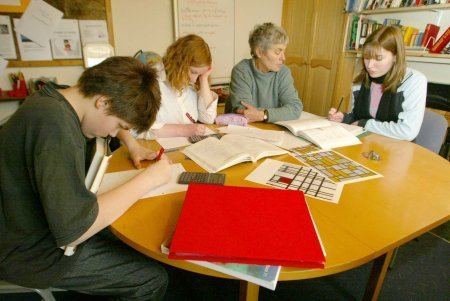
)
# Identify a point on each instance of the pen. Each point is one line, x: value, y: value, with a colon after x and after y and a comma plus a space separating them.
x: 190, y: 117
x: 161, y: 151
x: 340, y: 102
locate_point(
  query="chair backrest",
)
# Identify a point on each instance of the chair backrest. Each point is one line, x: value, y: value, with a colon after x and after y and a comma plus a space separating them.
x: 432, y: 132
x: 100, y: 151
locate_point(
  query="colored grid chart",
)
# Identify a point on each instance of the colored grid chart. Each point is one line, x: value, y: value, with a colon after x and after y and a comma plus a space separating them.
x: 296, y: 177
x: 336, y: 167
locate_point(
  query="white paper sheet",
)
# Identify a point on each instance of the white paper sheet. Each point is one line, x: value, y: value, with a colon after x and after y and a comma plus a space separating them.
x: 3, y: 65
x: 296, y: 177
x: 93, y: 31
x: 65, y: 41
x: 173, y: 143
x: 39, y: 21
x: 31, y: 51
x: 7, y: 47
x: 10, y: 2
x: 290, y: 141
x: 115, y: 179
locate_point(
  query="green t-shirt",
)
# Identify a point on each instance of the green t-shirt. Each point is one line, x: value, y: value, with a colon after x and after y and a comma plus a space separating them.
x: 44, y: 203
x: 273, y: 91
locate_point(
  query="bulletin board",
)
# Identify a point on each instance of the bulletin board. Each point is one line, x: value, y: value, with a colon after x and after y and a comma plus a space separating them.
x: 214, y: 21
x: 72, y: 9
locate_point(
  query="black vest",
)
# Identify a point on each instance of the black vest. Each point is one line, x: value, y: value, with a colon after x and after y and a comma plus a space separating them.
x: 389, y: 108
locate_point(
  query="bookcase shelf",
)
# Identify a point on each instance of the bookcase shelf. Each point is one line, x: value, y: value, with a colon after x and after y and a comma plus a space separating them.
x: 53, y: 63
x: 433, y: 7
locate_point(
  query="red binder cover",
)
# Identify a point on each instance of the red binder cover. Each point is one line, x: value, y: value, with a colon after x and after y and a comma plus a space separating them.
x: 246, y: 225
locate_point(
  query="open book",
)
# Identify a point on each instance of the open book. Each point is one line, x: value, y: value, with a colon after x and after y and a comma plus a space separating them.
x: 321, y: 132
x: 262, y: 275
x: 214, y: 155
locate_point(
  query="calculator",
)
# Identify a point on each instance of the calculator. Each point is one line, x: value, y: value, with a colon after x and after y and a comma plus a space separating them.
x: 201, y: 177
x: 197, y: 138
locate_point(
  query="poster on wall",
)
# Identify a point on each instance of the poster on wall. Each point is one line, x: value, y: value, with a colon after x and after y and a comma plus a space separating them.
x: 93, y: 31
x: 39, y: 21
x: 32, y: 51
x: 65, y: 41
x: 7, y: 47
x: 213, y: 20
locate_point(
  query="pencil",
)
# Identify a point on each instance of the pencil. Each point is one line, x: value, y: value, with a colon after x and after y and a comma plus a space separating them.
x: 161, y: 151
x: 190, y: 117
x: 340, y: 102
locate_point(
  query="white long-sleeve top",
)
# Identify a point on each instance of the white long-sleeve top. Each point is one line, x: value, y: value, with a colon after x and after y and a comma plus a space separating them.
x: 174, y: 107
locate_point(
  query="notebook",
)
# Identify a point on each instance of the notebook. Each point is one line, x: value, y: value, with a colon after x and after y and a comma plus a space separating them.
x: 247, y: 225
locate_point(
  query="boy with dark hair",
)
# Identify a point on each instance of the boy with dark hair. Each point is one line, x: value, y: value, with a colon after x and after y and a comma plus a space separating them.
x: 44, y: 204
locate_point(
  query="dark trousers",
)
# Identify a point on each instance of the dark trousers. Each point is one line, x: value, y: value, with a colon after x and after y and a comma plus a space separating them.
x: 108, y: 267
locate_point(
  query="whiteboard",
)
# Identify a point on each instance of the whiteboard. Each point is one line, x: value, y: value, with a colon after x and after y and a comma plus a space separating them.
x: 213, y: 20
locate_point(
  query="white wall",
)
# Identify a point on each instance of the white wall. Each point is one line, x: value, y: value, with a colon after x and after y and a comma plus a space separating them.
x: 148, y: 24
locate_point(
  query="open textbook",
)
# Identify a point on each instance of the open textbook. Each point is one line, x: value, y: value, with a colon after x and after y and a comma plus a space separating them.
x: 262, y: 275
x: 275, y: 137
x: 214, y: 155
x: 321, y: 132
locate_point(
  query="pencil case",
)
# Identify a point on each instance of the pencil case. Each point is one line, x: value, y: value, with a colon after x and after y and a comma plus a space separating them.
x: 234, y: 119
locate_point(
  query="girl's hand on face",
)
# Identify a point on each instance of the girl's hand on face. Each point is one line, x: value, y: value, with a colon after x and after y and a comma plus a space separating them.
x: 207, y: 73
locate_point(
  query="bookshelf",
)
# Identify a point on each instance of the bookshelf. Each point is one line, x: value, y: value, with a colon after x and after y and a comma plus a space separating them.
x: 409, y: 17
x: 436, y: 67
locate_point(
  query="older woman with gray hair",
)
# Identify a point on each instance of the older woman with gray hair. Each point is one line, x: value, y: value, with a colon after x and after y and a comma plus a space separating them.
x: 262, y: 88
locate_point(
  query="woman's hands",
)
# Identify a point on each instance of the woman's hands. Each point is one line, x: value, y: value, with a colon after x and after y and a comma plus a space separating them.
x: 252, y: 113
x: 335, y: 115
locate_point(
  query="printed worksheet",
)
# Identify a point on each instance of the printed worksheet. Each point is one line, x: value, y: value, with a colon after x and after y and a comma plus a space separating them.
x: 284, y: 175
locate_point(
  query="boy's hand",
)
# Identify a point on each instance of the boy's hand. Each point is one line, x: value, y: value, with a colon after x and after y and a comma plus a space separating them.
x: 140, y: 153
x: 335, y: 115
x: 160, y: 172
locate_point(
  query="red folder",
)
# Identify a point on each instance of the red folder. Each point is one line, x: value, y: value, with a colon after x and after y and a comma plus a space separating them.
x: 246, y: 225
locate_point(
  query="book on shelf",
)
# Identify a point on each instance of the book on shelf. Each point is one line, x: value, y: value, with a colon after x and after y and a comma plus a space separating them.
x: 389, y: 22
x: 443, y: 40
x: 262, y: 275
x: 322, y: 132
x: 214, y: 155
x: 247, y: 225
x: 429, y: 35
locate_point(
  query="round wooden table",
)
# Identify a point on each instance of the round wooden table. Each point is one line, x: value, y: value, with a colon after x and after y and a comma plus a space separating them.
x: 372, y: 218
